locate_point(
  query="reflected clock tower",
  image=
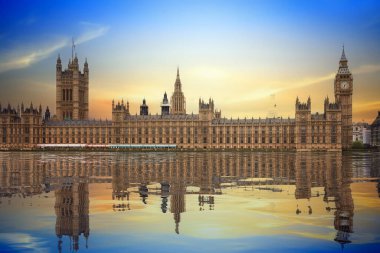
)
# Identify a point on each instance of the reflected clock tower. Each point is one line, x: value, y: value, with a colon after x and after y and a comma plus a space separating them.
x: 343, y: 87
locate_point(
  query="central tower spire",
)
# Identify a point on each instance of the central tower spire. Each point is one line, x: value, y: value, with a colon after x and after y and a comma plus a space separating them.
x: 178, y: 105
x: 178, y: 85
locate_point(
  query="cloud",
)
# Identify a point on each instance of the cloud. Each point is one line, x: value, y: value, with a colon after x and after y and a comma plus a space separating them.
x: 266, y: 92
x: 27, y: 59
x: 365, y: 69
x: 23, y: 241
x: 93, y: 31
x: 17, y: 61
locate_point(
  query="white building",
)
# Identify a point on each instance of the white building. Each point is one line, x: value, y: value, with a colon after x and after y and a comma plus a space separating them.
x: 361, y: 132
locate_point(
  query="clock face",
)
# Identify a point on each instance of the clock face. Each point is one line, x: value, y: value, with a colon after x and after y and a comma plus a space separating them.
x: 344, y: 85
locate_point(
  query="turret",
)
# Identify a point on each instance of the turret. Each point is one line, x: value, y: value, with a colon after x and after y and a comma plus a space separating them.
x: 144, y: 108
x: 59, y: 64
x: 75, y: 63
x: 47, y: 114
x: 303, y: 106
x: 206, y: 110
x: 120, y: 110
x: 85, y: 68
x: 165, y: 106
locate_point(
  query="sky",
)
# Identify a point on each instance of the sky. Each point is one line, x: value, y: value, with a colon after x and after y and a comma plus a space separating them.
x: 246, y: 55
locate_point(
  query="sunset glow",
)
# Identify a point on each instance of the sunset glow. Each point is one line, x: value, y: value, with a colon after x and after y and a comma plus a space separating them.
x: 247, y: 55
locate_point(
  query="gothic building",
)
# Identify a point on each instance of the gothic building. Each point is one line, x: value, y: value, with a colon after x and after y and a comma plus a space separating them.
x: 72, y: 90
x: 343, y: 87
x: 328, y: 130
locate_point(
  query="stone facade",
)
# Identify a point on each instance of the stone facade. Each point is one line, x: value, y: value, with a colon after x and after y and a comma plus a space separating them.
x: 72, y: 91
x: 205, y: 130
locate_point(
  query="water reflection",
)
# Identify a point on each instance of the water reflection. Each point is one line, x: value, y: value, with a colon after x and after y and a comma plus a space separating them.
x: 173, y: 176
x: 72, y: 211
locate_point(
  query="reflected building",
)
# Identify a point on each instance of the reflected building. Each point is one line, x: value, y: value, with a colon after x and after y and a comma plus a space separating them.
x: 344, y: 203
x: 303, y: 175
x: 72, y: 213
x: 334, y: 173
x: 25, y: 177
x: 177, y: 202
x: 169, y: 176
x: 120, y: 193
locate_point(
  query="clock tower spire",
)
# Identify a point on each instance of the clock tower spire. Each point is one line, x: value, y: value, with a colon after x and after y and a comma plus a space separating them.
x: 343, y: 87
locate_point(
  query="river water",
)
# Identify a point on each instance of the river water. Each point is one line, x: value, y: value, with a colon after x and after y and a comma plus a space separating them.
x: 189, y: 202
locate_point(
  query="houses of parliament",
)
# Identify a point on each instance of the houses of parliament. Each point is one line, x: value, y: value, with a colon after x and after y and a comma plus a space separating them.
x: 28, y: 127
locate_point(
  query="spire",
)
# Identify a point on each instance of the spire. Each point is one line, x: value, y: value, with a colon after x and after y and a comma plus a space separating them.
x: 177, y: 85
x: 59, y: 63
x: 72, y: 49
x: 343, y: 57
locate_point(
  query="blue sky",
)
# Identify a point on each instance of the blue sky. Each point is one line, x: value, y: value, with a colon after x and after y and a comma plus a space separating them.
x: 247, y: 55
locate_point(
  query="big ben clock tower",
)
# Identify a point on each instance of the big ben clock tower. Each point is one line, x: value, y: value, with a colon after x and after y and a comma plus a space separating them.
x: 343, y: 87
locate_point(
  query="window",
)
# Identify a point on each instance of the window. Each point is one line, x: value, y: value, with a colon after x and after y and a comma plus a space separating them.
x: 303, y: 134
x: 333, y: 134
